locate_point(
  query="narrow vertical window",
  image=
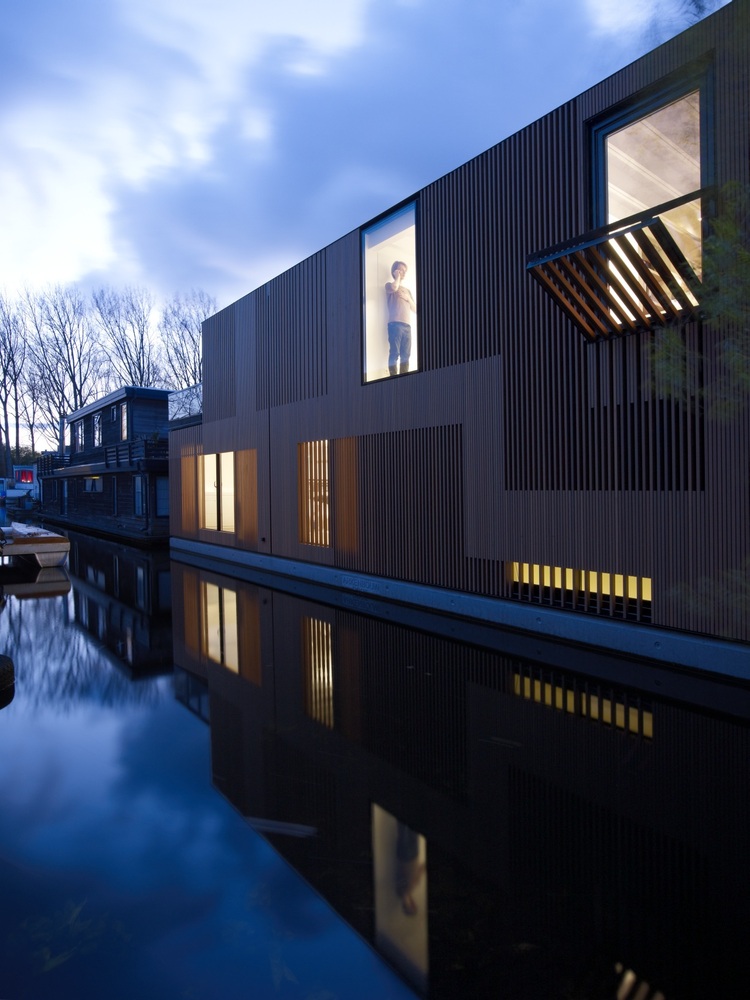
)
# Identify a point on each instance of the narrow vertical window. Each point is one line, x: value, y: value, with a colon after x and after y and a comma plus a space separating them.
x: 97, y: 430
x: 313, y: 487
x: 78, y: 435
x: 390, y: 296
x: 139, y: 496
x: 226, y: 480
x: 123, y: 421
x: 218, y: 492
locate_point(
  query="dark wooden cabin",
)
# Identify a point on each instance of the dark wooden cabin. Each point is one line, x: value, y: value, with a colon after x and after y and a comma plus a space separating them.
x: 114, y: 477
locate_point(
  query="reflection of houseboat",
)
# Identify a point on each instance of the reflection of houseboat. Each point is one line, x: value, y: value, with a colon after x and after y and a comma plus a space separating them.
x: 495, y: 825
x: 524, y: 465
x: 122, y: 595
x: 114, y: 477
x: 27, y: 541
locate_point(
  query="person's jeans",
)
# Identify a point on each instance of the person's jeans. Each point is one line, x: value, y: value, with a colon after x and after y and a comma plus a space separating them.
x: 399, y: 340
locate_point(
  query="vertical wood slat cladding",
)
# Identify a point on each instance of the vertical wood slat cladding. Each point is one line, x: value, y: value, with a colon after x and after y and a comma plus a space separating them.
x: 185, y: 449
x: 292, y: 359
x: 412, y: 505
x: 515, y: 441
x: 219, y: 370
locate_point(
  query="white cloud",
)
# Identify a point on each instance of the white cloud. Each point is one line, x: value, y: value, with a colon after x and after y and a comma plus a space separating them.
x: 145, y: 100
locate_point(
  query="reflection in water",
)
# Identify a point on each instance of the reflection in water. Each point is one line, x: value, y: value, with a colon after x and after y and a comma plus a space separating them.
x: 400, y: 866
x: 587, y: 836
x: 122, y: 596
x: 122, y: 873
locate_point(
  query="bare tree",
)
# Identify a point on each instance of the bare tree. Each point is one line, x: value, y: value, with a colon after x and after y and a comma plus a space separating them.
x: 125, y: 319
x: 180, y: 329
x: 67, y: 361
x: 12, y: 360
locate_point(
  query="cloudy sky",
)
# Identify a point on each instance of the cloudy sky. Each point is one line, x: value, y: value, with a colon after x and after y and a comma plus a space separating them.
x: 176, y: 144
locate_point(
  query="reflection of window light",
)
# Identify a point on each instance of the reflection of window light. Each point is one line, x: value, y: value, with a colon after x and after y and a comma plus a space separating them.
x: 317, y: 658
x: 313, y: 486
x: 392, y: 239
x: 221, y: 643
x: 607, y: 709
x: 140, y: 586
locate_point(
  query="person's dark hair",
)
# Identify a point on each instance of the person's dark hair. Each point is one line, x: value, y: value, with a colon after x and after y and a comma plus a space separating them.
x: 398, y: 263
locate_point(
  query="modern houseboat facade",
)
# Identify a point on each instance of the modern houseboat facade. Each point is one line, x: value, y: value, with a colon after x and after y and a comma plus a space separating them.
x: 511, y: 397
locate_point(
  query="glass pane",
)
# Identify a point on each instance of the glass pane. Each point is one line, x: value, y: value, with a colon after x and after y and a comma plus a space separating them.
x: 390, y: 282
x: 213, y: 623
x: 654, y: 160
x: 210, y: 506
x: 226, y: 462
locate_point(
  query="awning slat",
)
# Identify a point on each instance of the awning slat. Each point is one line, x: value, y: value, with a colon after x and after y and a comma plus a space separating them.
x: 618, y: 281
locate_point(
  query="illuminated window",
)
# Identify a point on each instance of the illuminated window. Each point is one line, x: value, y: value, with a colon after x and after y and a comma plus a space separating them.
x: 24, y: 476
x: 93, y: 484
x: 313, y: 487
x: 97, y: 425
x: 390, y: 296
x: 317, y: 660
x: 123, y: 421
x: 614, y: 594
x: 220, y: 639
x: 653, y: 159
x: 564, y: 695
x: 218, y: 491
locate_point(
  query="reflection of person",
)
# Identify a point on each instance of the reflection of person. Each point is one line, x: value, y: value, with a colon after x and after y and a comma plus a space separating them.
x: 400, y: 307
x: 409, y: 869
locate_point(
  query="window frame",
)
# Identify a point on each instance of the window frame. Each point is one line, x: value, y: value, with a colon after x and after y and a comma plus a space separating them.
x: 413, y: 282
x: 640, y: 106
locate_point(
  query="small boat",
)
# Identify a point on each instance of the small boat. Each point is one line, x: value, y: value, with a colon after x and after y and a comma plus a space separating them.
x: 31, y: 542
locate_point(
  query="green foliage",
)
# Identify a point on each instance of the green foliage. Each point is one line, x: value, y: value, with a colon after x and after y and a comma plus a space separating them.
x: 725, y: 305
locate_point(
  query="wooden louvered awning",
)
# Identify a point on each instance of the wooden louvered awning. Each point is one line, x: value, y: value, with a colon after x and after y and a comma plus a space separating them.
x: 620, y: 279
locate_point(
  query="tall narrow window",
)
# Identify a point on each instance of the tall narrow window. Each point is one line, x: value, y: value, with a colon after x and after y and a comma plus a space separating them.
x: 313, y: 487
x: 390, y: 296
x: 139, y: 496
x: 123, y: 421
x: 78, y: 435
x: 97, y: 430
x: 218, y: 492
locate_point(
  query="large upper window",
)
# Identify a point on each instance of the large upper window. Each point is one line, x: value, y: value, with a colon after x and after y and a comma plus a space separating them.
x: 390, y: 296
x: 652, y: 159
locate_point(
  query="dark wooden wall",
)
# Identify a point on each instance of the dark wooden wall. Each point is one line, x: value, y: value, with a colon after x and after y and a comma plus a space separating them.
x: 516, y: 441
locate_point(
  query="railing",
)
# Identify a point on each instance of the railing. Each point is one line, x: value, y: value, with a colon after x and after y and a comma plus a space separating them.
x: 186, y: 402
x: 122, y: 455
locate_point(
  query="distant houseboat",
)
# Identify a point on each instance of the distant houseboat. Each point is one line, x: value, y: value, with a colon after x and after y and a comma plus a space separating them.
x: 113, y: 477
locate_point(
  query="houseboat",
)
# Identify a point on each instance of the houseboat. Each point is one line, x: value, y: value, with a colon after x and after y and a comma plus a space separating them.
x: 509, y: 397
x: 113, y: 479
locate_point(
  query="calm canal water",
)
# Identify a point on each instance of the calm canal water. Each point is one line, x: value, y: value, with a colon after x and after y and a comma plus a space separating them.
x: 215, y: 789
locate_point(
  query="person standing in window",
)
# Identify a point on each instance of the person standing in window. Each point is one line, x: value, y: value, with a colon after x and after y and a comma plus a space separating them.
x: 400, y: 307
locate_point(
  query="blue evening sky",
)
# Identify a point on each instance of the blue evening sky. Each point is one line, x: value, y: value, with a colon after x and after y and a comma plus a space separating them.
x: 176, y: 144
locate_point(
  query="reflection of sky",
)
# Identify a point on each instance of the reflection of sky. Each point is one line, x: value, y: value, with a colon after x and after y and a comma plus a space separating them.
x: 123, y: 873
